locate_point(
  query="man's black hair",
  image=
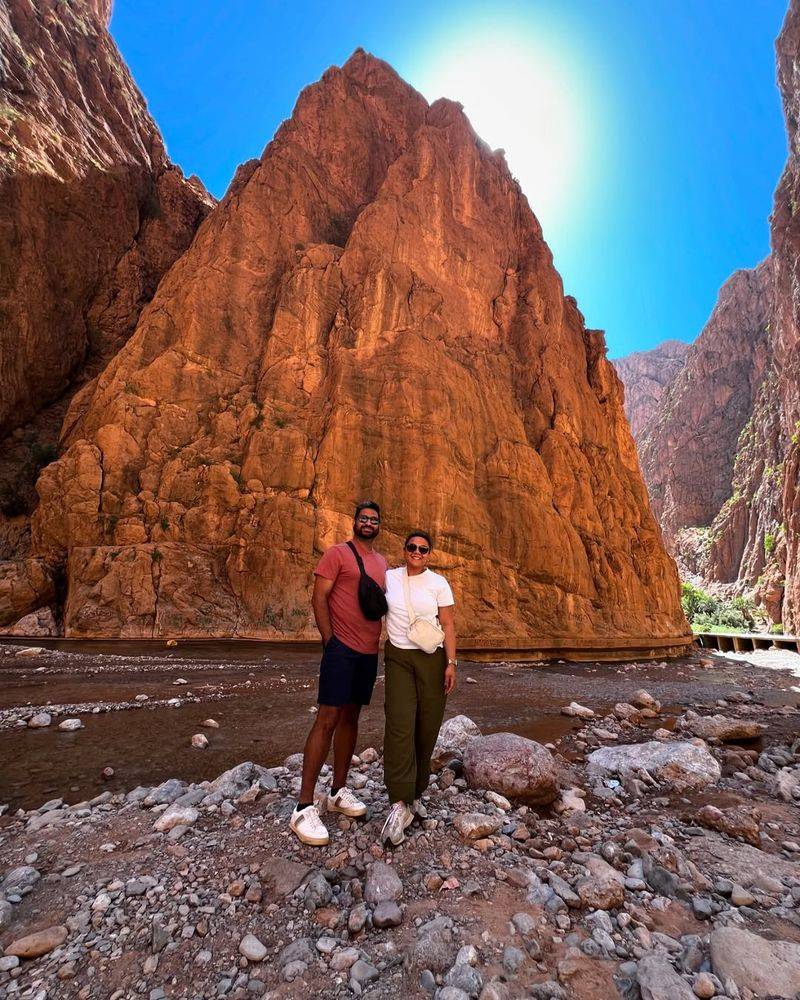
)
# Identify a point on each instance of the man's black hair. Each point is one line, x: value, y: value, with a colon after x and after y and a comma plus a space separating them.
x: 366, y: 505
x: 419, y: 534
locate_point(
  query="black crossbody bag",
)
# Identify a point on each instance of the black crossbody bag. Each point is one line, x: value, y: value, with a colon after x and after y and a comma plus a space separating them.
x: 370, y: 596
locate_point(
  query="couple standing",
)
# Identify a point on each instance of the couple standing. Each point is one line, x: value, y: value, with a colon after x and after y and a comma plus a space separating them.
x: 420, y: 664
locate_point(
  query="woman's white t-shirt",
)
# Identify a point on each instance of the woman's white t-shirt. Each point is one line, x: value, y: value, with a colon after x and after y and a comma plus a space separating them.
x: 429, y: 591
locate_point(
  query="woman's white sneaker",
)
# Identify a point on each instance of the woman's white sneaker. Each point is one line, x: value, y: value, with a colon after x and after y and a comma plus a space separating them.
x: 306, y: 825
x: 345, y: 802
x: 394, y: 829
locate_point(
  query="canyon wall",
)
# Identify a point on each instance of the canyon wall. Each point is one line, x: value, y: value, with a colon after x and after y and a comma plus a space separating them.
x: 645, y: 375
x: 92, y: 214
x: 371, y: 310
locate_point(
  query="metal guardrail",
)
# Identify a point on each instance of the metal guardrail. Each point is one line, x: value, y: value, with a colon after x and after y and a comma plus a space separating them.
x: 745, y: 642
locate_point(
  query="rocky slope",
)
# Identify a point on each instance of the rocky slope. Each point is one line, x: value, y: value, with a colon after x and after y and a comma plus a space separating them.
x: 92, y: 213
x: 660, y: 867
x: 645, y: 375
x: 371, y: 309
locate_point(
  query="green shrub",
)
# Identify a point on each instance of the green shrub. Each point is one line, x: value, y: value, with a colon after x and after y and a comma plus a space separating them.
x: 769, y: 543
x: 706, y: 613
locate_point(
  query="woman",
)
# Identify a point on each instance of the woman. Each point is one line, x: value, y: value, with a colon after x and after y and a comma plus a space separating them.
x: 417, y: 682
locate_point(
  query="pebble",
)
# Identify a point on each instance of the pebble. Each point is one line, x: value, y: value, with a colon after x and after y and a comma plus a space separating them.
x: 252, y: 949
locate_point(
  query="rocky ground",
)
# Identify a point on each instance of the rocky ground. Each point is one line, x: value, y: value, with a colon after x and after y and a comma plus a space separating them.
x: 628, y: 859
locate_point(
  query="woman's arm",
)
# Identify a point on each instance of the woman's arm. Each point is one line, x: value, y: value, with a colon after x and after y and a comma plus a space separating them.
x: 447, y: 619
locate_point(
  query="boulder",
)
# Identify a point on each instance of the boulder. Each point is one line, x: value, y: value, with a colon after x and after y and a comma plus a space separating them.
x: 453, y: 738
x: 719, y: 727
x: 680, y: 766
x: 767, y: 968
x: 513, y: 766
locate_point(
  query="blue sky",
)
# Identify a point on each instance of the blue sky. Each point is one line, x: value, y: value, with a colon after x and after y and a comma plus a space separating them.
x: 648, y: 136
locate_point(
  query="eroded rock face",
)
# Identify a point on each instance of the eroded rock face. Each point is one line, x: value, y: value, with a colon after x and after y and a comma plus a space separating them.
x: 92, y: 214
x: 372, y: 309
x: 645, y: 375
x: 689, y: 446
x: 91, y: 211
x: 786, y: 290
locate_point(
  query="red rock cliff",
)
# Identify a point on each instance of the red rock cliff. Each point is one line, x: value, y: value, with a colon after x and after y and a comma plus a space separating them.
x: 92, y: 213
x: 786, y: 255
x: 371, y: 310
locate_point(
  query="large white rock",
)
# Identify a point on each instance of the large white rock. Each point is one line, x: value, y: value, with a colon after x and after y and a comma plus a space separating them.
x: 767, y: 968
x: 513, y: 766
x: 454, y: 736
x: 719, y: 727
x: 680, y: 766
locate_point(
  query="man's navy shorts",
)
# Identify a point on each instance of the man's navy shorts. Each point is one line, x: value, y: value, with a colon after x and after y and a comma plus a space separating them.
x: 346, y: 676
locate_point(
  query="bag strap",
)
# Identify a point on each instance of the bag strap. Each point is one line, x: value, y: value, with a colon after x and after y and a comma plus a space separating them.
x: 407, y: 594
x: 359, y: 560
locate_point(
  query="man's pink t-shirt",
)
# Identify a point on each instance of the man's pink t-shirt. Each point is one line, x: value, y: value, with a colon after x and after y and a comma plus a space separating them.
x: 347, y: 620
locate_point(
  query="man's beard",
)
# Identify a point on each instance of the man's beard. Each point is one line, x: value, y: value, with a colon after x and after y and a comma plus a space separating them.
x: 358, y: 531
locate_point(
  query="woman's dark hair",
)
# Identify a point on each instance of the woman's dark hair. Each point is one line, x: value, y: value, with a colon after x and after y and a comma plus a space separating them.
x: 419, y: 534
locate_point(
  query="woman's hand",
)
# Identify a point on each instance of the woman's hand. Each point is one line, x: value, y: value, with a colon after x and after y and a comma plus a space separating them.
x: 449, y: 678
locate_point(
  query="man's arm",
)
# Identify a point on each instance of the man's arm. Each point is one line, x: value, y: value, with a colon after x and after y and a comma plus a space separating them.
x: 319, y: 602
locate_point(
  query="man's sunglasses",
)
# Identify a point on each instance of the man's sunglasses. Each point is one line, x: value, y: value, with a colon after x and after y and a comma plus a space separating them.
x: 363, y: 519
x: 422, y: 549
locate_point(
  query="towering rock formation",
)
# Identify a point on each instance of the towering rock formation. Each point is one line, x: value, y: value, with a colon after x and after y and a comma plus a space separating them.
x: 721, y: 452
x: 711, y: 449
x: 786, y: 255
x: 92, y: 214
x: 689, y: 447
x: 645, y: 375
x: 371, y: 310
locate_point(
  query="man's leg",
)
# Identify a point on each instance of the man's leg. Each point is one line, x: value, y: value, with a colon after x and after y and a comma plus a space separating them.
x: 316, y: 750
x: 344, y: 744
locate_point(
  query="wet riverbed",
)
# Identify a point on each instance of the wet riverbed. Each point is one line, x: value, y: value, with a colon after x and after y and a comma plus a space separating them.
x: 263, y: 696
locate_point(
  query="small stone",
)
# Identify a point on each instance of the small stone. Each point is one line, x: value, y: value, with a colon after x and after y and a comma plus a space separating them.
x: 70, y: 725
x: 387, y: 914
x: 578, y: 711
x: 383, y: 882
x: 199, y: 741
x: 210, y: 723
x: 40, y: 943
x: 40, y: 721
x: 176, y: 815
x: 252, y: 949
x: 362, y: 972
x: 512, y: 959
x: 703, y: 986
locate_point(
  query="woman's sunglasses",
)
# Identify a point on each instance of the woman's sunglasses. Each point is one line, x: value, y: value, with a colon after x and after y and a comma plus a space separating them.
x: 422, y: 549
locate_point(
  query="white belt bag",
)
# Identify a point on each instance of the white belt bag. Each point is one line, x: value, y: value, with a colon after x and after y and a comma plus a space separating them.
x: 423, y: 633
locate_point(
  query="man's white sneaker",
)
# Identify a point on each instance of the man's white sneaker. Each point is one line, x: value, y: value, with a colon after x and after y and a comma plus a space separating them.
x: 345, y: 802
x: 306, y: 825
x: 394, y: 829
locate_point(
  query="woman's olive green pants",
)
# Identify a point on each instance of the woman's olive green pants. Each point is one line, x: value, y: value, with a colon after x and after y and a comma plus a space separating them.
x: 414, y: 709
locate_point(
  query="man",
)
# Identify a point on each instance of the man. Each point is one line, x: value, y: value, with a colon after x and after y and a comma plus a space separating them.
x: 346, y: 674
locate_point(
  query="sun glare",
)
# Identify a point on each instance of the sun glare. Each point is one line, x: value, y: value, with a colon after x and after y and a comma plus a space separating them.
x: 522, y: 97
